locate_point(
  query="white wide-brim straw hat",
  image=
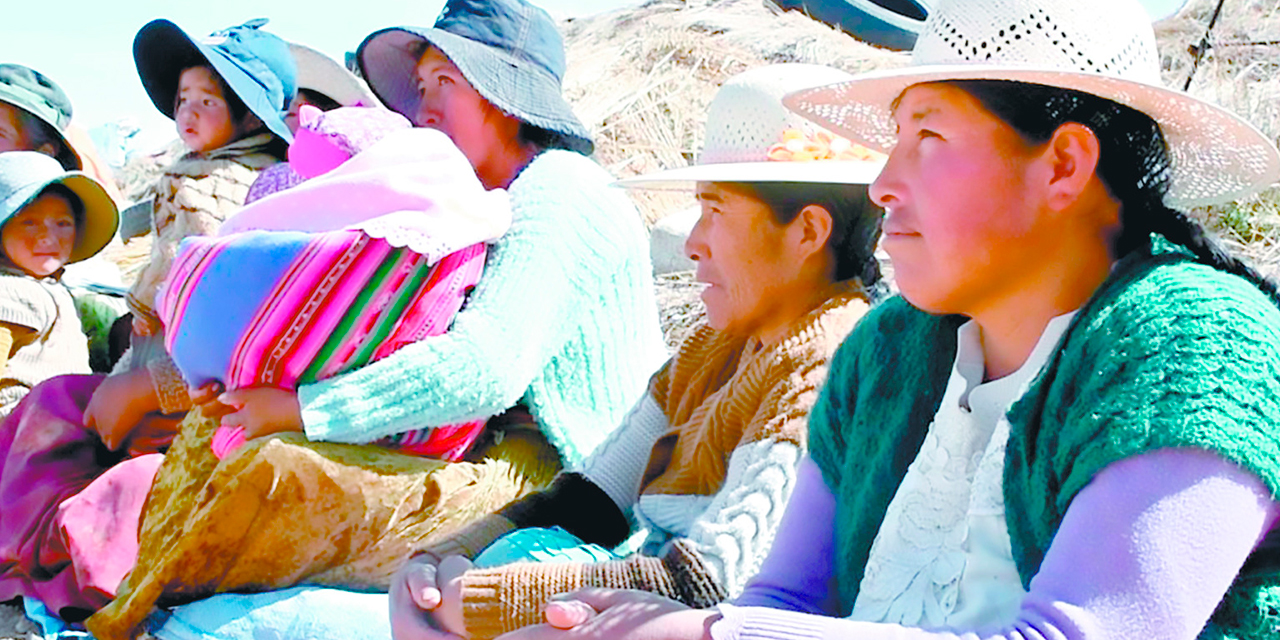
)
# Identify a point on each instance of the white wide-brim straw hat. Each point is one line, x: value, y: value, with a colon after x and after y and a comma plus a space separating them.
x: 320, y: 73
x: 746, y: 121
x: 1103, y: 47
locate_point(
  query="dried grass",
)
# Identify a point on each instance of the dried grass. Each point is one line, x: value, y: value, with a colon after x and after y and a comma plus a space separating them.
x: 1240, y: 71
x: 641, y: 78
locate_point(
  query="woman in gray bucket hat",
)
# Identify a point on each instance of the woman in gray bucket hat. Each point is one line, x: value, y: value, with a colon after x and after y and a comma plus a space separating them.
x: 554, y: 346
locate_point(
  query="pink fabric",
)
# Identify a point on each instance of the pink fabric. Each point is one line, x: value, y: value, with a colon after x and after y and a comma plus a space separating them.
x: 312, y: 154
x: 414, y: 189
x: 1146, y: 550
x: 69, y: 508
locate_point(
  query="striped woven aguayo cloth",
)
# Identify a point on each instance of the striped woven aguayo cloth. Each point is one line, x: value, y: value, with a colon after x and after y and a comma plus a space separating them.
x: 280, y: 308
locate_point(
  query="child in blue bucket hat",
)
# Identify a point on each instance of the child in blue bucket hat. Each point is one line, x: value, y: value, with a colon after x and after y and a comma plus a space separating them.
x: 49, y: 218
x: 227, y: 94
x: 87, y: 443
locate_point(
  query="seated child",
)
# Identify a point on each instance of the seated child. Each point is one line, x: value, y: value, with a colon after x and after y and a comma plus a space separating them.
x: 49, y: 218
x: 376, y: 250
x: 80, y: 451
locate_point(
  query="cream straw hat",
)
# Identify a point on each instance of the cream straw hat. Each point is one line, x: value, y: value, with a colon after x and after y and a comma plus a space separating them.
x: 752, y: 137
x: 1102, y: 47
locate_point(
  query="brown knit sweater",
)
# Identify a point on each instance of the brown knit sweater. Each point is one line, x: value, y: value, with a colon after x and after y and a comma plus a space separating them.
x: 723, y: 400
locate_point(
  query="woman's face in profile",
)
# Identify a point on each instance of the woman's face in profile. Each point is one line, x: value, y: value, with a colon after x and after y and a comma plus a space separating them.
x: 448, y: 103
x: 740, y: 250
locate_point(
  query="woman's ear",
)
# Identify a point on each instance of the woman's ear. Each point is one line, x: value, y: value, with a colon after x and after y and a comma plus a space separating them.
x: 1072, y: 155
x: 813, y: 229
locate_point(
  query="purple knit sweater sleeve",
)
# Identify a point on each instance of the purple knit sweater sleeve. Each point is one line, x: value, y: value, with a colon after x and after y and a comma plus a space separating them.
x: 1146, y: 550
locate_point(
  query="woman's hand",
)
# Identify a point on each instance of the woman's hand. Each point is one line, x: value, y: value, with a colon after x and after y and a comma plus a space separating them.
x: 426, y: 599
x: 610, y: 614
x: 262, y: 411
x: 119, y: 404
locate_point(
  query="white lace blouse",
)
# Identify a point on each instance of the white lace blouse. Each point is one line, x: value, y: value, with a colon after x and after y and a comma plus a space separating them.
x: 942, y: 557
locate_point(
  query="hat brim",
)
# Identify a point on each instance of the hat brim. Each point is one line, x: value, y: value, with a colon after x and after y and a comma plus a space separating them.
x: 814, y: 171
x: 100, y: 214
x: 320, y: 73
x: 161, y: 50
x: 72, y: 160
x: 1217, y: 156
x: 388, y: 61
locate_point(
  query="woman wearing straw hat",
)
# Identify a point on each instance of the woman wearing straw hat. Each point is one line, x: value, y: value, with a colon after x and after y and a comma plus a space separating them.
x: 707, y: 459
x: 1065, y: 427
x: 553, y: 346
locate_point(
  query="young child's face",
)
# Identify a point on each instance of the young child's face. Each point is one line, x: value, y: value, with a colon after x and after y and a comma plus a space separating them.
x: 40, y: 237
x: 201, y: 112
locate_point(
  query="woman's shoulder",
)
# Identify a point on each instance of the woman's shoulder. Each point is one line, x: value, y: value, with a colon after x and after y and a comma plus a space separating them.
x: 567, y: 176
x: 1170, y: 299
x: 895, y: 332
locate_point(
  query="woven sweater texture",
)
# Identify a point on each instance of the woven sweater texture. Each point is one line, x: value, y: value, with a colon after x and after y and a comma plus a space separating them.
x: 564, y: 320
x: 56, y: 345
x: 725, y: 399
x: 192, y: 198
x: 1167, y: 353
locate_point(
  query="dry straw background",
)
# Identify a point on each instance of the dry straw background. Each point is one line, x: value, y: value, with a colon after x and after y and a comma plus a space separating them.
x: 642, y: 77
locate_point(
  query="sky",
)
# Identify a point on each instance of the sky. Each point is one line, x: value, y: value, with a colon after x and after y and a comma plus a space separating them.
x: 86, y: 45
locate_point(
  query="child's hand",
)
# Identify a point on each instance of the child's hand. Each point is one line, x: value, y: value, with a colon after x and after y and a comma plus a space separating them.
x: 118, y: 405
x: 262, y: 411
x: 421, y: 607
x: 206, y: 397
x: 145, y: 325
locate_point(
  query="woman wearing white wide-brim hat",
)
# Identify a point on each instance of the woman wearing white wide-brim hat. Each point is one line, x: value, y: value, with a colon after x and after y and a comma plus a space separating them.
x: 1065, y: 426
x: 707, y: 459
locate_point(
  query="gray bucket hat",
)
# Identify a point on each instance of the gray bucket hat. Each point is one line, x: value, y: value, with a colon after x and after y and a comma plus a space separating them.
x: 25, y: 174
x: 33, y: 92
x: 509, y: 50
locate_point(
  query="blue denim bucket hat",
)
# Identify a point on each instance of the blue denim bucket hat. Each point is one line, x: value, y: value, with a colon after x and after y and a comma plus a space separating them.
x: 256, y: 64
x: 25, y: 174
x: 509, y: 50
x: 33, y: 92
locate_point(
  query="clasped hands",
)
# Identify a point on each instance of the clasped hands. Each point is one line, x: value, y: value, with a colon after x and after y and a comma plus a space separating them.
x: 426, y: 604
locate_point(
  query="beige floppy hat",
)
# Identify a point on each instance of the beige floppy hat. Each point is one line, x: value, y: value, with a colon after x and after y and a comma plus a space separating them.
x: 323, y: 74
x: 1102, y: 47
x: 752, y: 137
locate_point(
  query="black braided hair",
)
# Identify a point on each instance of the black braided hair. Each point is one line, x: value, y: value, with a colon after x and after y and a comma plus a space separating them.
x: 1134, y: 164
x: 855, y: 220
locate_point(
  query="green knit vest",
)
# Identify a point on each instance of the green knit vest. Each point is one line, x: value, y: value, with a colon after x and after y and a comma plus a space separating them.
x: 1167, y: 353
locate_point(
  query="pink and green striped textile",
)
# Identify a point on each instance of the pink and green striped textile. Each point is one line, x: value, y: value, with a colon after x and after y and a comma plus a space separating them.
x: 279, y: 309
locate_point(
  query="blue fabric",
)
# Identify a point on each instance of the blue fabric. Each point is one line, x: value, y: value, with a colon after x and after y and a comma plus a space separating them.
x: 319, y: 613
x: 313, y: 613
x: 541, y: 545
x: 51, y: 626
x: 214, y: 322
